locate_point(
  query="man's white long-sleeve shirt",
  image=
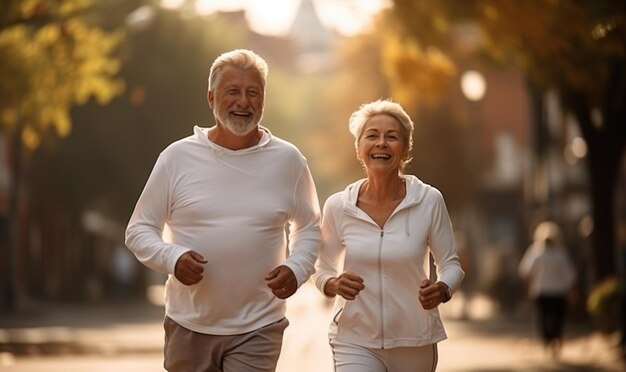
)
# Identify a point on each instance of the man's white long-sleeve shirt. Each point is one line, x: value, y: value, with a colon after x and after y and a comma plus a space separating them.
x: 235, y: 209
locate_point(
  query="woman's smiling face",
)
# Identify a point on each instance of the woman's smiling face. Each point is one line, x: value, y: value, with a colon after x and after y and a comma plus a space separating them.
x: 381, y: 146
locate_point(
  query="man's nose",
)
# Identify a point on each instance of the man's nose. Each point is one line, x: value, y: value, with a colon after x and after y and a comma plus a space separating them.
x: 243, y: 100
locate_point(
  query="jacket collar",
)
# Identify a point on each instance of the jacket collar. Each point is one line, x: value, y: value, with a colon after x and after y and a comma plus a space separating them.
x: 416, y: 190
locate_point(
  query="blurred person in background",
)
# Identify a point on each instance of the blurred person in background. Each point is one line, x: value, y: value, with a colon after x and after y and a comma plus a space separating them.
x: 549, y: 276
x: 383, y: 228
x: 228, y: 194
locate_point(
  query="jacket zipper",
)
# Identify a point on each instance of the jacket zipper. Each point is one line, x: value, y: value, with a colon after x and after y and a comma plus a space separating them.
x: 382, y: 307
x: 380, y: 267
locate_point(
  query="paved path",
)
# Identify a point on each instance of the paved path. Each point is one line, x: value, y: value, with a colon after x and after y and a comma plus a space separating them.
x: 87, y: 338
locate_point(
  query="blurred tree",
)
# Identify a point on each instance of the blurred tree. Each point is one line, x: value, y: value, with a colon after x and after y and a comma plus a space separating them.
x: 576, y: 48
x: 165, y: 66
x: 102, y: 167
x: 51, y: 59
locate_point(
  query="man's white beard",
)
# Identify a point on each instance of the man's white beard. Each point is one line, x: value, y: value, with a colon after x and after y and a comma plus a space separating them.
x: 240, y: 129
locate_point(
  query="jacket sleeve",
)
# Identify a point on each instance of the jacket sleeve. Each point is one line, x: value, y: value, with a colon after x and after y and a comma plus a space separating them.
x: 332, y: 247
x: 144, y: 233
x: 304, y: 234
x: 442, y: 244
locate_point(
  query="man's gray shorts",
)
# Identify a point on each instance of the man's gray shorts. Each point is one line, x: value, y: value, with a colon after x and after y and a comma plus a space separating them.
x: 189, y: 351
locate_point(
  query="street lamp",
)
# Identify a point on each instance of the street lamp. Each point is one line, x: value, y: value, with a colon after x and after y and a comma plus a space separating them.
x: 473, y: 85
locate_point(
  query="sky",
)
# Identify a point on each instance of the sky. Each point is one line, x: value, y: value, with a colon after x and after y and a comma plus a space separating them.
x: 274, y: 17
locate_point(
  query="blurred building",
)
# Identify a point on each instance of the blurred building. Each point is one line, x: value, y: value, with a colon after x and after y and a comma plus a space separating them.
x: 314, y: 43
x: 308, y: 47
x: 530, y: 159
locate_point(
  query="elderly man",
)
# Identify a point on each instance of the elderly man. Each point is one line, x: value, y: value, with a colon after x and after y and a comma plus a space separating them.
x: 228, y: 194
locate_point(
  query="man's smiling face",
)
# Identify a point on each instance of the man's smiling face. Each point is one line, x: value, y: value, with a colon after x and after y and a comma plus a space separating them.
x: 237, y: 101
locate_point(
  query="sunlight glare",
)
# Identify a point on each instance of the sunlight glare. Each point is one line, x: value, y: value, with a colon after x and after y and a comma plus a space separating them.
x: 172, y: 4
x: 271, y: 17
x: 206, y: 7
x: 349, y: 17
x: 274, y: 17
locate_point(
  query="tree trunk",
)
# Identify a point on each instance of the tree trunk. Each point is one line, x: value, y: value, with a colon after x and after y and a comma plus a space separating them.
x: 10, y: 232
x: 606, y: 142
x: 605, y: 146
x: 603, y: 175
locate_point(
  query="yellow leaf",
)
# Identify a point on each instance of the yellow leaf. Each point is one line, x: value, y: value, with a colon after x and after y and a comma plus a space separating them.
x: 30, y: 138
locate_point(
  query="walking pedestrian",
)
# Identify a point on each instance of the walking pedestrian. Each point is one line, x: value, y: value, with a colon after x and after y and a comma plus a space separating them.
x: 549, y: 275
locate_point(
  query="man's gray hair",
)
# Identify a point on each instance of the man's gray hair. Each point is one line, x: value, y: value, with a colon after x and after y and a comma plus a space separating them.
x: 241, y: 58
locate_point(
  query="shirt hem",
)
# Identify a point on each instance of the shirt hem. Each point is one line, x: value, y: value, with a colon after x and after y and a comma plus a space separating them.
x: 226, y: 331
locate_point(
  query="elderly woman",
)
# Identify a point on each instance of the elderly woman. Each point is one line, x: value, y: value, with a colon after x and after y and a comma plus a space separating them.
x: 382, y: 229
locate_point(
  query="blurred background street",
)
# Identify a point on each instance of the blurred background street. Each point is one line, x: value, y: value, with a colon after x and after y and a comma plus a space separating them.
x: 129, y: 337
x: 520, y: 118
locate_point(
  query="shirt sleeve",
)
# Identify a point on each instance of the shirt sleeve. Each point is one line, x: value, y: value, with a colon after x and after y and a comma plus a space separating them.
x: 304, y: 228
x: 442, y: 244
x: 331, y: 249
x: 526, y: 264
x: 144, y: 233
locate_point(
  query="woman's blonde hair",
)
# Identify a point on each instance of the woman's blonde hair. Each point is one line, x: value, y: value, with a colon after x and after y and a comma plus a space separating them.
x: 382, y: 107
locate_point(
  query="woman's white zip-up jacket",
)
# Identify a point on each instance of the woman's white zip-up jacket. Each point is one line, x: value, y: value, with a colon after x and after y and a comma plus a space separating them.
x: 392, y: 261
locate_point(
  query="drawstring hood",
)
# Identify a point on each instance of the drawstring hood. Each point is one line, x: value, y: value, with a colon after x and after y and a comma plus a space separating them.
x: 406, y: 222
x: 416, y: 191
x: 222, y: 153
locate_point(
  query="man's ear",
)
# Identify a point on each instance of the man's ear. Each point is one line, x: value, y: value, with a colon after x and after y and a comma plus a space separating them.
x: 210, y: 98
